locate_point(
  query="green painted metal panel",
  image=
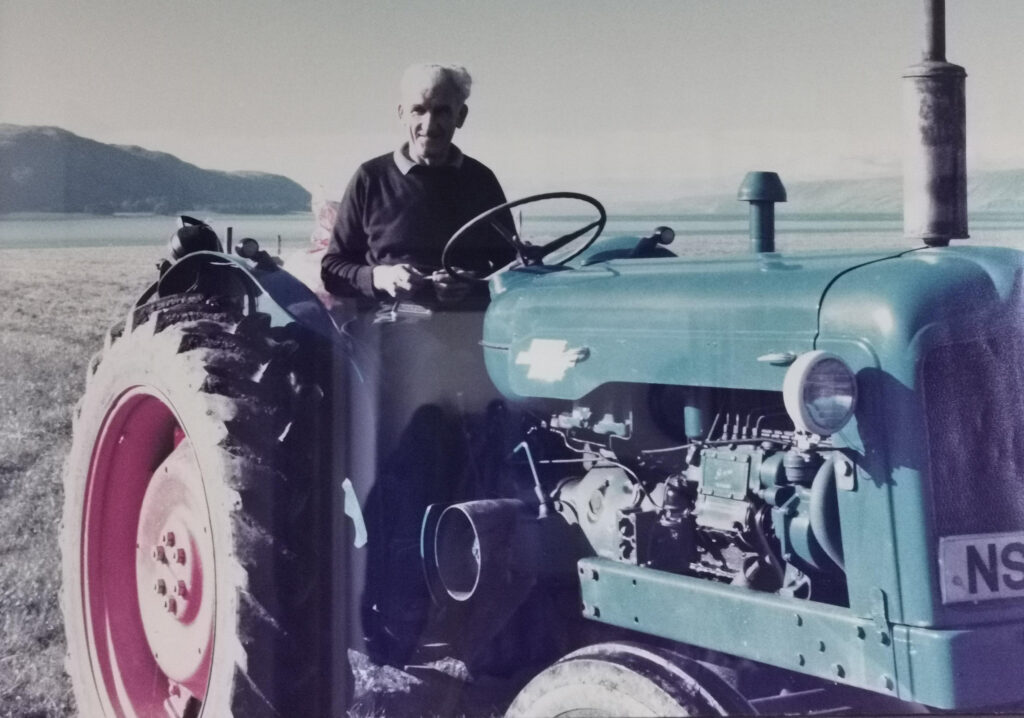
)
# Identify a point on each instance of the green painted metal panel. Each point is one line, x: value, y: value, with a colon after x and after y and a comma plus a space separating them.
x: 813, y: 638
x: 902, y: 309
x: 667, y: 320
x: 962, y: 669
x: 943, y: 668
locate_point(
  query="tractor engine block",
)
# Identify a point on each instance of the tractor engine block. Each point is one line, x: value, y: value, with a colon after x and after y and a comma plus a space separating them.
x: 747, y: 508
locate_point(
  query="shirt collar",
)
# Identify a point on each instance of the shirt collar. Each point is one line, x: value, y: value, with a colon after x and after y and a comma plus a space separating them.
x: 401, y: 156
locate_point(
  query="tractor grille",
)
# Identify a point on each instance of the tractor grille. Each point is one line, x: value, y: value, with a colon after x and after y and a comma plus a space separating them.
x: 974, y: 393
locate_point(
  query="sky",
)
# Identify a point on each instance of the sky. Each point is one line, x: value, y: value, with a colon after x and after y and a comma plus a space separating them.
x: 639, y: 100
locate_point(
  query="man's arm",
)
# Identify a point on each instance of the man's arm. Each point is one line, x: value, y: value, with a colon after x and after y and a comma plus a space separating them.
x: 344, y: 268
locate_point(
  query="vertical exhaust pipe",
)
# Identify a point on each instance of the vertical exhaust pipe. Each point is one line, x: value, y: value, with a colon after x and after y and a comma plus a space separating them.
x: 935, y: 146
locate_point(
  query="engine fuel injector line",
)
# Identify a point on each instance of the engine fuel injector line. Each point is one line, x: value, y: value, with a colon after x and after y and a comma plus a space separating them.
x: 543, y: 508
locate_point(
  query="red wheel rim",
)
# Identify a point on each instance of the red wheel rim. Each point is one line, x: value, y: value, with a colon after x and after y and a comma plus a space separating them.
x: 147, y: 562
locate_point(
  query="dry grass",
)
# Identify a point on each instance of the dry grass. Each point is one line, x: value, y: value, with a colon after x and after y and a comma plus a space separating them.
x: 54, y: 306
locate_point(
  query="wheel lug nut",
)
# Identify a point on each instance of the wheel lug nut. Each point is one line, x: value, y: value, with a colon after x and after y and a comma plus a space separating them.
x: 160, y: 586
x: 180, y: 555
x: 168, y: 538
x: 180, y: 589
x: 171, y: 605
x: 159, y: 554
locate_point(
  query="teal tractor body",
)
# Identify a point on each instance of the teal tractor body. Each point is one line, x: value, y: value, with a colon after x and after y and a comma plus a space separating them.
x: 690, y: 500
x: 885, y: 551
x: 800, y: 471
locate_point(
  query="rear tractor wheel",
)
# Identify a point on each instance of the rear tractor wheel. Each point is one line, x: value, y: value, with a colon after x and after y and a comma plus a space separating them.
x: 192, y: 583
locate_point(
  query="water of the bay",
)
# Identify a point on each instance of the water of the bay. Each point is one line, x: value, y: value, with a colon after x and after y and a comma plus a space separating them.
x: 696, y: 235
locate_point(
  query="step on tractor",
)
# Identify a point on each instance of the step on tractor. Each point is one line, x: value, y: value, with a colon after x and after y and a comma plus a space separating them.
x: 624, y: 482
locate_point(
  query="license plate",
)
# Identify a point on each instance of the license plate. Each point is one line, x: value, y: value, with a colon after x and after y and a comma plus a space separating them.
x: 981, y: 567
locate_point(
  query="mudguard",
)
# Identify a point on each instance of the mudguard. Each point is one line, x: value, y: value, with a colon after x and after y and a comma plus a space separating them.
x: 271, y: 289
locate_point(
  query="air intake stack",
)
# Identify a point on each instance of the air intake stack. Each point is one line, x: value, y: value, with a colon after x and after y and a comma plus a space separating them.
x: 762, y: 190
x: 935, y: 164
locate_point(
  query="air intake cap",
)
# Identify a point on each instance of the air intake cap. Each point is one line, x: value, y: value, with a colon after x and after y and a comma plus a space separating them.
x: 762, y: 190
x: 762, y: 187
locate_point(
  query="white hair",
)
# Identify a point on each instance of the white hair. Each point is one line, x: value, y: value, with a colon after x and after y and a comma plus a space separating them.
x: 423, y: 75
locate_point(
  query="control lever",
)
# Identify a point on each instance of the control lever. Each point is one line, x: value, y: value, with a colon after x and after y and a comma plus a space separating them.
x: 662, y: 235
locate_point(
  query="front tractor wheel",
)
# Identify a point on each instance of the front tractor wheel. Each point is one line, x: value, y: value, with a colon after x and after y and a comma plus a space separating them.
x: 191, y: 581
x: 627, y: 679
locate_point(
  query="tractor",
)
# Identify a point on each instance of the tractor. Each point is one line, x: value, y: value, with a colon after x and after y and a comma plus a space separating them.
x: 769, y: 483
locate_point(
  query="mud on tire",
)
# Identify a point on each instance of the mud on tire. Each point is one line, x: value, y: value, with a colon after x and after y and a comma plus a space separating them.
x: 195, y: 510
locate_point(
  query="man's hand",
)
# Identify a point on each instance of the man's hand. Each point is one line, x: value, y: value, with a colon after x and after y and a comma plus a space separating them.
x: 397, y: 279
x: 448, y: 289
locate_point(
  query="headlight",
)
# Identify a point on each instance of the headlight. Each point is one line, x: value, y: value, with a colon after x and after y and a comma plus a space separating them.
x: 820, y: 393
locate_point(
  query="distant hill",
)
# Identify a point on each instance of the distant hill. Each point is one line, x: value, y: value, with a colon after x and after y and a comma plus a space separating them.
x: 993, y: 191
x: 47, y: 169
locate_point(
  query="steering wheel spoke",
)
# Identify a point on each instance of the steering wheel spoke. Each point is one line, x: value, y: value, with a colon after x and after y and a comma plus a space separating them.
x: 510, y: 237
x: 557, y: 244
x: 527, y: 253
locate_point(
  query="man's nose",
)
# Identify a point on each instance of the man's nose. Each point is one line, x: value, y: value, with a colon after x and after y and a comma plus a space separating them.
x: 431, y: 121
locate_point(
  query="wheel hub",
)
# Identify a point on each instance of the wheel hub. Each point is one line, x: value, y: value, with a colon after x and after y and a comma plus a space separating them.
x: 146, y: 531
x: 173, y: 561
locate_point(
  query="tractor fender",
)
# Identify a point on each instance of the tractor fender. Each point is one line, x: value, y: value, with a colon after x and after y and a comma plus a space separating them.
x: 270, y: 289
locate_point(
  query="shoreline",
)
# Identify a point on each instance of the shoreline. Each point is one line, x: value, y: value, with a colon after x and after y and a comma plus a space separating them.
x: 62, y: 216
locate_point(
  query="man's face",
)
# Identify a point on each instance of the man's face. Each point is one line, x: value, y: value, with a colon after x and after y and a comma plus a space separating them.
x: 431, y: 115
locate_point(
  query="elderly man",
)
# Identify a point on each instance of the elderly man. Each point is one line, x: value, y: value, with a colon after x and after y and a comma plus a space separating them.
x: 421, y: 383
x: 400, y: 208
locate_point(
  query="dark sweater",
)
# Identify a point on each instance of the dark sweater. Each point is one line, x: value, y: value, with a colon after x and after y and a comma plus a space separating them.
x: 387, y: 217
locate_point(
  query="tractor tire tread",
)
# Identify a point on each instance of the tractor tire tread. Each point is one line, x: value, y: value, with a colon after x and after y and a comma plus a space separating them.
x: 278, y: 603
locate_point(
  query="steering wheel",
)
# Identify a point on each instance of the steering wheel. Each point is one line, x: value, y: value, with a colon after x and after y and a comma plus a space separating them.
x: 528, y: 254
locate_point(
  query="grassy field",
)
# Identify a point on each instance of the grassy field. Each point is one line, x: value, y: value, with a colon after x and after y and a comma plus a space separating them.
x: 55, y: 305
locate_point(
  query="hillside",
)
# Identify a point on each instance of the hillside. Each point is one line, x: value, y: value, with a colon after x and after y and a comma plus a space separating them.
x: 992, y: 191
x: 47, y: 169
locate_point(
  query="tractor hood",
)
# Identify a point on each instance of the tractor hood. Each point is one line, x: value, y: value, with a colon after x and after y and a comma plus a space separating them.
x: 904, y: 308
x: 561, y: 334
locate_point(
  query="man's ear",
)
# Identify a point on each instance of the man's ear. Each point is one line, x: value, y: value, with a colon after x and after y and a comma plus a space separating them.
x: 462, y: 116
x: 401, y: 111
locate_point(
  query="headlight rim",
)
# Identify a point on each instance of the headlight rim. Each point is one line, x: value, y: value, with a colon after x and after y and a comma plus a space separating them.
x: 793, y: 392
